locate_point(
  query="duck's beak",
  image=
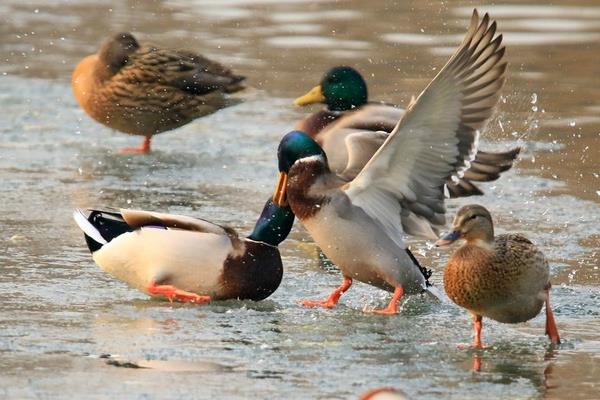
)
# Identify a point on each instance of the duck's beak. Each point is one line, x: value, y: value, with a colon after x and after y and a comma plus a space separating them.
x: 448, y: 239
x: 315, y: 95
x: 279, y: 196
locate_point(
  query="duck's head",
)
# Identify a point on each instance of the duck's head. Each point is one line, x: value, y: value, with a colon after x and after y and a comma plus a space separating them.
x: 342, y: 88
x: 274, y: 224
x: 114, y: 53
x: 294, y: 146
x: 471, y: 223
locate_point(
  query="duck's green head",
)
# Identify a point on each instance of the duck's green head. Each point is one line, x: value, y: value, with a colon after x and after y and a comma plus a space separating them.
x: 342, y: 88
x: 293, y: 146
x: 274, y: 224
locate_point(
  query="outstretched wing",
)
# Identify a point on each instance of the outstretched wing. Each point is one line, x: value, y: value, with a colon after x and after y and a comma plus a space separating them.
x: 402, y: 186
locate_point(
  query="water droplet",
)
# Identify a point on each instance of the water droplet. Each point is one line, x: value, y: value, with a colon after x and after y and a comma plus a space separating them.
x: 128, y: 201
x: 534, y: 98
x: 572, y: 123
x: 534, y: 108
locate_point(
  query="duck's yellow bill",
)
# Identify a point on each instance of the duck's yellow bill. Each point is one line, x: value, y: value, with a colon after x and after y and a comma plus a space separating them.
x: 279, y: 196
x: 315, y: 95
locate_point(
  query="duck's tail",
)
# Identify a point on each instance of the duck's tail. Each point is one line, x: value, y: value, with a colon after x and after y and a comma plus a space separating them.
x: 93, y: 237
x: 100, y: 226
x: 429, y: 288
x: 433, y: 291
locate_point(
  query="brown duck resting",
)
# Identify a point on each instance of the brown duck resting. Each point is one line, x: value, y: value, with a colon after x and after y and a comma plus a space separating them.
x: 145, y: 90
x: 504, y: 277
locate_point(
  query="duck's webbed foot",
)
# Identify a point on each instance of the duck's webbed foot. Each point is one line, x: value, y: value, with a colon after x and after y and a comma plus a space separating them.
x: 392, y: 307
x: 172, y: 293
x: 333, y: 298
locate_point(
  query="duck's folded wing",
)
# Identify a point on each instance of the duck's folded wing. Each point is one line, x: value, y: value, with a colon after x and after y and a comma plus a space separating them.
x: 370, y: 117
x: 360, y: 146
x: 186, y: 71
x: 139, y: 218
x: 402, y: 186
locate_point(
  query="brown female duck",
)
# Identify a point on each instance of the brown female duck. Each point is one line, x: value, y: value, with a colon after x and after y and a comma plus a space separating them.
x: 145, y: 90
x: 502, y: 277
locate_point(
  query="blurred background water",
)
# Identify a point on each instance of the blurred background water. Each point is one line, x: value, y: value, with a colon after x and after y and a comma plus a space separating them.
x: 60, y: 315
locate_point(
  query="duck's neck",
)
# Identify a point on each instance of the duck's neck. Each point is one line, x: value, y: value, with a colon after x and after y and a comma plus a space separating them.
x: 316, y: 122
x: 308, y: 178
x: 273, y: 225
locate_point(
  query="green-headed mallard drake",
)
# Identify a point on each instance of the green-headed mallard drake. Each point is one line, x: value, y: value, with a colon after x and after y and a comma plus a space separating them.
x: 188, y: 259
x: 504, y: 277
x: 350, y: 123
x: 360, y: 224
x: 145, y: 90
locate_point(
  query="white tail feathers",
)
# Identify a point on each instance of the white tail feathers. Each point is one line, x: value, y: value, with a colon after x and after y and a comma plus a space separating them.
x: 87, y: 227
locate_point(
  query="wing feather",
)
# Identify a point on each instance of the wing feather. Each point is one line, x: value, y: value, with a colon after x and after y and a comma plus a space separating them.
x: 402, y: 185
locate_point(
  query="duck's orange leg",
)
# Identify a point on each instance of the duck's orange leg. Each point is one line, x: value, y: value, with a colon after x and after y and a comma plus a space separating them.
x: 144, y: 148
x: 172, y: 293
x: 392, y: 307
x: 477, y: 326
x: 333, y: 298
x: 551, y: 329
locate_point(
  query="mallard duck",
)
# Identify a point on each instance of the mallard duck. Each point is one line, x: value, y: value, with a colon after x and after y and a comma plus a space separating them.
x: 188, y: 259
x: 145, y: 90
x: 359, y: 224
x: 504, y: 277
x: 350, y: 123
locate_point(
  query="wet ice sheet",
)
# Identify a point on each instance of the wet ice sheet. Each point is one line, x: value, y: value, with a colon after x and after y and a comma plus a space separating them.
x: 59, y: 313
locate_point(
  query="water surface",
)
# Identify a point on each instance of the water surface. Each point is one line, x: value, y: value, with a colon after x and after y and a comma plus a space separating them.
x: 61, y: 317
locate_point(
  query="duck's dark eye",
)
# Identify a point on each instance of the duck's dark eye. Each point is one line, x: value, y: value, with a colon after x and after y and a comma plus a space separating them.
x: 473, y: 217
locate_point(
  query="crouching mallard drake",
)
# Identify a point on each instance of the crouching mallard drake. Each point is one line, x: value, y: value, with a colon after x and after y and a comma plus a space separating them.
x: 504, y: 277
x: 352, y: 124
x: 188, y: 259
x: 360, y: 224
x: 144, y: 90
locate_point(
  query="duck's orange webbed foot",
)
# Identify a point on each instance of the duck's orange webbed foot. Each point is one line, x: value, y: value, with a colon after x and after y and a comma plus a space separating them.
x: 172, y: 293
x: 392, y: 307
x: 333, y: 298
x: 143, y: 149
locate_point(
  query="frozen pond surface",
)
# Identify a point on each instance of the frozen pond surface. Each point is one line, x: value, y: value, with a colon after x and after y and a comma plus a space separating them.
x: 60, y: 316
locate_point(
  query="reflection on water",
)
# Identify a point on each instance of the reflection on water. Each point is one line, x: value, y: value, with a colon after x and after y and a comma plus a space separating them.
x: 60, y: 313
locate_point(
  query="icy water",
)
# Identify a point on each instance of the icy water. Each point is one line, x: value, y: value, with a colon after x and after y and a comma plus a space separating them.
x: 61, y: 316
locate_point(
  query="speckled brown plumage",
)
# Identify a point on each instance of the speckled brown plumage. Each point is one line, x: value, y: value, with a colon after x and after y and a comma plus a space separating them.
x: 503, y: 277
x: 145, y: 90
x: 502, y: 282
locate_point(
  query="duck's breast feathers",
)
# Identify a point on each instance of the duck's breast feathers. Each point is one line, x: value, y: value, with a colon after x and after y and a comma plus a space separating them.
x: 255, y: 274
x: 505, y: 281
x: 186, y: 71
